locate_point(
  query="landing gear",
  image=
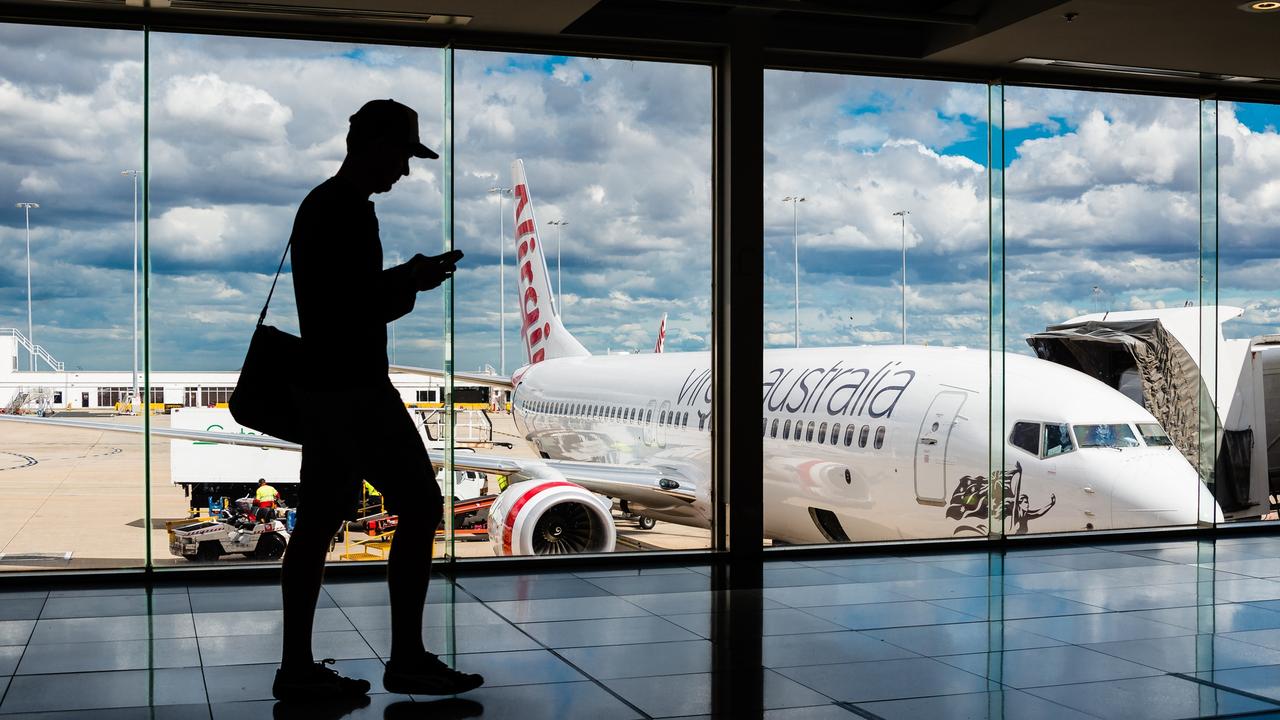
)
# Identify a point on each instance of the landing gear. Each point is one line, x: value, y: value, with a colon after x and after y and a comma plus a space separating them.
x: 644, y: 522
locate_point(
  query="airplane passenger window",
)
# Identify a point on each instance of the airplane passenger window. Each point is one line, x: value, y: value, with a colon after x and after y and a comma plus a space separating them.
x: 648, y: 415
x: 808, y: 433
x: 786, y: 430
x: 686, y: 419
x: 773, y: 430
x: 848, y: 436
x: 662, y: 417
x: 1026, y: 435
x: 1057, y: 439
x: 822, y: 433
x: 879, y: 437
x: 835, y: 433
x: 798, y: 431
x: 862, y: 436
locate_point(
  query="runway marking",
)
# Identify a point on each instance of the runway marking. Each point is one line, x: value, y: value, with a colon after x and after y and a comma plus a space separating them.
x: 27, y: 461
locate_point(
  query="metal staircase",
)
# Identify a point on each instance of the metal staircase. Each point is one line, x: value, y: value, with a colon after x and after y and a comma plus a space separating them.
x: 37, y: 350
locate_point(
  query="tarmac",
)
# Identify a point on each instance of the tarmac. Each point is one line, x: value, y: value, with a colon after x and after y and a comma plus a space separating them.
x: 74, y: 499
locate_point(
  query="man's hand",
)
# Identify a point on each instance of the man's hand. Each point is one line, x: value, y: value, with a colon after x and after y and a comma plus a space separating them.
x: 430, y: 272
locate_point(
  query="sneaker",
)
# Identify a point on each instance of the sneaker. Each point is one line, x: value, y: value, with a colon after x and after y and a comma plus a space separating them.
x: 429, y: 676
x: 317, y: 682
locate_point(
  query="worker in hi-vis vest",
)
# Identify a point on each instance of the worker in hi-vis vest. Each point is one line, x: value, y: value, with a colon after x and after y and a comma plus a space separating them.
x: 266, y: 498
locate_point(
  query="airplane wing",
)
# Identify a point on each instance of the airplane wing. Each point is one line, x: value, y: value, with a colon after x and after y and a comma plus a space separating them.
x: 651, y: 486
x: 497, y: 381
x: 260, y: 441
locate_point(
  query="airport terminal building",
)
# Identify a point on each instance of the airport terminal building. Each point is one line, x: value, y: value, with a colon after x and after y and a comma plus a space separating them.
x: 52, y: 386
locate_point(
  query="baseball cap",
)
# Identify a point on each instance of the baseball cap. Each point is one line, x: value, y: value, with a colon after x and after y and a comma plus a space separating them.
x: 392, y: 120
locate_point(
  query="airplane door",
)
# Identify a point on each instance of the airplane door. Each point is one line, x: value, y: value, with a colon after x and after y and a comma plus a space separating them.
x: 931, y: 445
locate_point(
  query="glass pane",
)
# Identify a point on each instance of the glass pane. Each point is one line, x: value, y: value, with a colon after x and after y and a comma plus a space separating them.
x: 69, y: 324
x: 1248, y: 386
x: 1101, y: 324
x: 241, y: 132
x: 876, y: 307
x: 583, y: 202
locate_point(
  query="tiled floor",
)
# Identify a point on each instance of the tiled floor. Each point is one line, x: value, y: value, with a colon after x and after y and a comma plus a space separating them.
x: 1158, y: 630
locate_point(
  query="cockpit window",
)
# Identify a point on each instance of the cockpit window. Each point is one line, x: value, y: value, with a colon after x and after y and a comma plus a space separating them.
x: 1057, y: 439
x: 1114, y: 435
x: 1154, y: 435
x: 1026, y: 435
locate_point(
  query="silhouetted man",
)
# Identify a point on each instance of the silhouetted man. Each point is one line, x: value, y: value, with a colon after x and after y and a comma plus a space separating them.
x: 345, y: 300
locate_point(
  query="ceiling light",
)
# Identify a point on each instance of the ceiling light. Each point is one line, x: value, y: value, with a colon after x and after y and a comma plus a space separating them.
x: 1259, y: 6
x: 1143, y: 71
x: 246, y: 7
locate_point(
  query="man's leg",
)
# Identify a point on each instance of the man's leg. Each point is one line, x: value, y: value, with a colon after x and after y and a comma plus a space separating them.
x: 409, y: 571
x: 300, y: 578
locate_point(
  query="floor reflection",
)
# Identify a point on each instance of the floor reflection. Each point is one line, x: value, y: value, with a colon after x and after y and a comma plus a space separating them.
x: 1141, y: 630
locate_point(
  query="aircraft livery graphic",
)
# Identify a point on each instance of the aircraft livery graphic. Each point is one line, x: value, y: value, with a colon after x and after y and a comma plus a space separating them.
x: 970, y: 501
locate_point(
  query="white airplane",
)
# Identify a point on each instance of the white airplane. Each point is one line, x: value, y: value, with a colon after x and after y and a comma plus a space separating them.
x: 861, y: 443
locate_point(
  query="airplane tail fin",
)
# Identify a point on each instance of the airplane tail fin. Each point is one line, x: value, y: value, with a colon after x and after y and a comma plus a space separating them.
x: 544, y: 336
x: 662, y: 334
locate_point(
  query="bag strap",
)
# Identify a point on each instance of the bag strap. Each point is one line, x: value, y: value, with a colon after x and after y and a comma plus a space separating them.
x: 263, y: 315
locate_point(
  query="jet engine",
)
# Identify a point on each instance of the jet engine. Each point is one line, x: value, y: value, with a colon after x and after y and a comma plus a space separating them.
x: 550, y: 517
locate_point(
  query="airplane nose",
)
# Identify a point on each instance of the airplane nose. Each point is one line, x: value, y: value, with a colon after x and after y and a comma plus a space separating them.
x: 1209, y: 507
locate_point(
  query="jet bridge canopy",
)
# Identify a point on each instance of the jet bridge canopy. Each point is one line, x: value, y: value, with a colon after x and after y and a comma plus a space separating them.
x: 1169, y: 376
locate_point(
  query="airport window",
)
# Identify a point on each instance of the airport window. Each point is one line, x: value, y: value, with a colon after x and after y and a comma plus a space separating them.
x: 1057, y: 439
x: 773, y: 428
x: 808, y: 433
x: 1026, y: 435
x: 879, y: 442
x: 862, y: 436
x: 190, y: 396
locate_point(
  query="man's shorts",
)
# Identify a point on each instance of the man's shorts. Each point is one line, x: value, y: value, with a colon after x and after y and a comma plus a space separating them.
x: 362, y: 434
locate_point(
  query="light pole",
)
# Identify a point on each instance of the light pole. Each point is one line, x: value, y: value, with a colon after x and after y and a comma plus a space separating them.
x: 134, y: 174
x: 503, y: 192
x: 31, y: 338
x: 559, y: 288
x: 795, y: 201
x: 903, y: 214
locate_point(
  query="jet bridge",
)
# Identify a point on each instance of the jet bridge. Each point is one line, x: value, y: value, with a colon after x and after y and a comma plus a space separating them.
x: 1154, y: 357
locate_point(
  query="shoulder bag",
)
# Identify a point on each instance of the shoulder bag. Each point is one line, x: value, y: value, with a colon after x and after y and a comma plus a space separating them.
x: 266, y: 398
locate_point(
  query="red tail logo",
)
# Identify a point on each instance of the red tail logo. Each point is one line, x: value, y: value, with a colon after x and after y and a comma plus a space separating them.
x: 535, y: 336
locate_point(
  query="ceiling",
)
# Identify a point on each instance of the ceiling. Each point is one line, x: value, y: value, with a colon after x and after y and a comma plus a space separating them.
x: 1210, y: 41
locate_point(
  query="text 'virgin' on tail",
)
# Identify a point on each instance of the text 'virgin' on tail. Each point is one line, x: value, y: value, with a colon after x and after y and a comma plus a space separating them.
x: 544, y: 336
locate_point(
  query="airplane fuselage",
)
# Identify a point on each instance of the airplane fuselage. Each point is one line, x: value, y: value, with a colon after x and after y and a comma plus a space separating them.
x: 871, y: 443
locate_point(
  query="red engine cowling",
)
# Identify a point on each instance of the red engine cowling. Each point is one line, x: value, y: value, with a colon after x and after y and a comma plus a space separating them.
x: 550, y: 517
